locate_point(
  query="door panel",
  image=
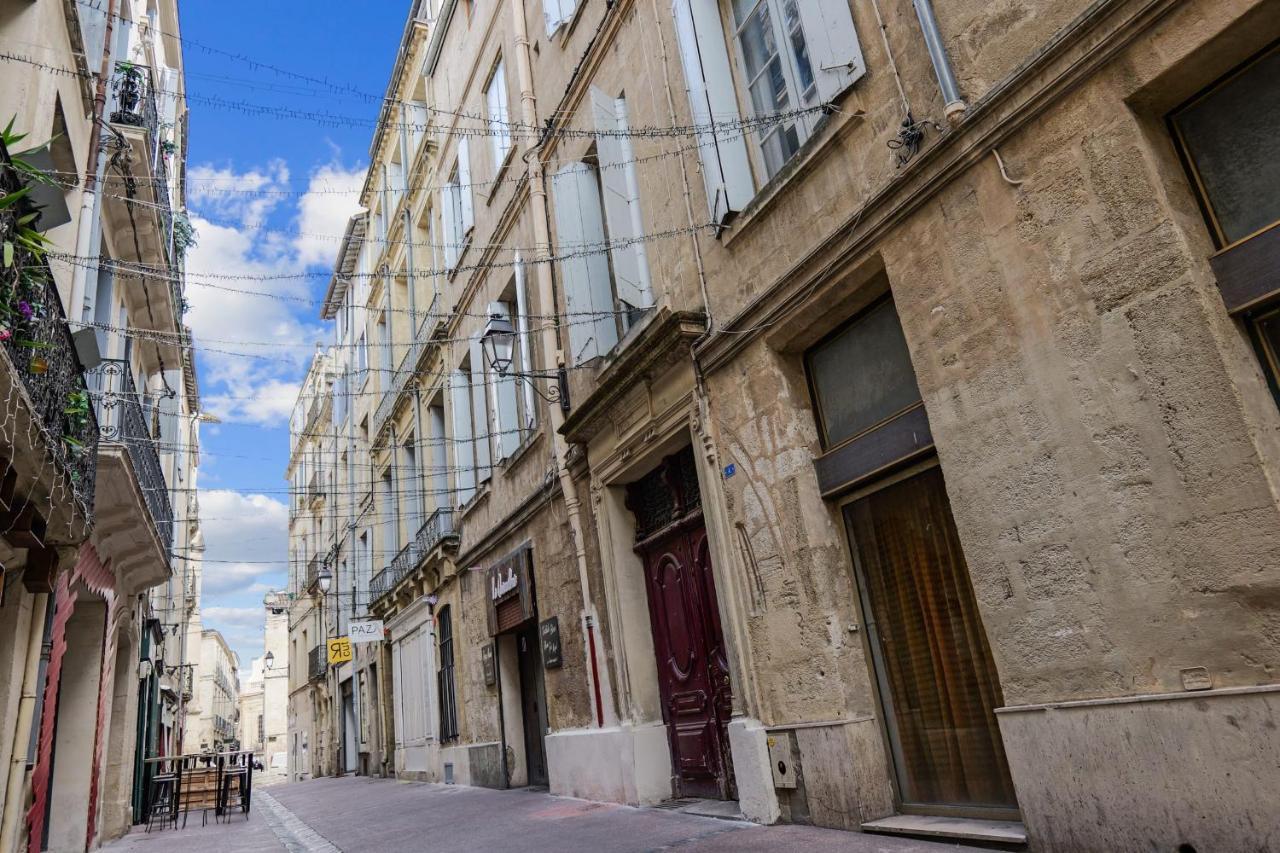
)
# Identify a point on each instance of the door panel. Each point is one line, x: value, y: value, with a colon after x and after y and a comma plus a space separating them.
x: 692, y: 673
x: 529, y: 651
x: 938, y: 681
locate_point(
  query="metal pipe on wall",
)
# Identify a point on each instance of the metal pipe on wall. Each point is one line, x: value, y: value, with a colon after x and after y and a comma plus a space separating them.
x: 953, y: 104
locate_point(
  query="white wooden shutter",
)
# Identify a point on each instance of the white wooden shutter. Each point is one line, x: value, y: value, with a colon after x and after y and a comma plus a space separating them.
x: 834, y: 52
x: 557, y: 13
x: 480, y: 418
x: 506, y: 409
x: 588, y: 292
x: 449, y: 217
x: 726, y: 170
x: 500, y: 130
x: 621, y: 201
x: 524, y: 342
x: 464, y: 187
x: 463, y: 439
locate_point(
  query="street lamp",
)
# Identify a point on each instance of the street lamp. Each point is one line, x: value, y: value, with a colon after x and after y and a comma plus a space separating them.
x: 324, y: 579
x: 268, y: 661
x: 498, y: 341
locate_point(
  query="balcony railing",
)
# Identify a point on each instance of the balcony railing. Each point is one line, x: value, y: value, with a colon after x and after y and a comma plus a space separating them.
x: 317, y: 663
x: 123, y: 420
x: 436, y: 529
x: 313, y: 572
x: 40, y: 346
x: 400, y: 378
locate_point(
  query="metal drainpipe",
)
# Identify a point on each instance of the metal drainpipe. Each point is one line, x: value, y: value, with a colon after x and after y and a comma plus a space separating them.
x: 550, y: 346
x: 953, y: 104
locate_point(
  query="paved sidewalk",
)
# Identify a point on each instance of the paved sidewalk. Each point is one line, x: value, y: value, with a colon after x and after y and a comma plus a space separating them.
x: 352, y: 815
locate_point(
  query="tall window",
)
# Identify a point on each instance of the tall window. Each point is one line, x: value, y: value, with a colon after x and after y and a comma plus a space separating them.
x: 495, y: 98
x: 445, y: 677
x: 1229, y: 139
x: 456, y: 207
x: 787, y: 55
x: 598, y: 203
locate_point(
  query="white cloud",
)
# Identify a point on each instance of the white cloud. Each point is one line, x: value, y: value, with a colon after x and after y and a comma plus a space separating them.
x: 255, y: 346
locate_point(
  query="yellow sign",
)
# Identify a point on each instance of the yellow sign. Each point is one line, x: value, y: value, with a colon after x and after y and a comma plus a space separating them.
x: 339, y: 650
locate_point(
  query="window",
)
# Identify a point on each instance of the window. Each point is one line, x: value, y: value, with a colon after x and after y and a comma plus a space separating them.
x: 457, y: 210
x: 362, y: 359
x: 495, y: 98
x: 788, y: 54
x: 862, y: 375
x: 462, y: 436
x: 558, y: 13
x: 597, y: 203
x: 508, y: 407
x: 1230, y: 137
x: 448, y: 701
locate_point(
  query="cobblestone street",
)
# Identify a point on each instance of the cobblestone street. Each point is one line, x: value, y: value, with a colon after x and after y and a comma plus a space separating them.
x: 359, y: 814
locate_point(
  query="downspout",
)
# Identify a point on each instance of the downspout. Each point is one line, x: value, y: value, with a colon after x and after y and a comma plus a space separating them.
x: 550, y: 345
x: 94, y: 163
x: 21, y: 734
x: 953, y: 105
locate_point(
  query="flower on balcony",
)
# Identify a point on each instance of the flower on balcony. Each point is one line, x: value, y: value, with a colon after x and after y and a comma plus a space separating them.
x: 5, y: 334
x: 25, y: 309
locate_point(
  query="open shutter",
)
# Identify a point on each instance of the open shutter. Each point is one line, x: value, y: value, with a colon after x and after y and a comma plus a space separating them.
x: 621, y: 196
x: 588, y: 292
x: 705, y: 57
x: 834, y: 52
x: 557, y: 13
x: 524, y: 342
x: 480, y: 413
x: 464, y: 187
x: 464, y: 461
x: 448, y: 215
x: 499, y: 128
x: 506, y: 409
x: 93, y: 31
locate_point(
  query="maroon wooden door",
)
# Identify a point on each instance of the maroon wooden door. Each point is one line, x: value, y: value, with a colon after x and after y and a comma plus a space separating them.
x: 693, y: 674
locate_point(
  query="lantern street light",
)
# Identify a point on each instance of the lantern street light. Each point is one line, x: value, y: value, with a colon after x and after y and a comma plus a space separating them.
x: 268, y: 661
x: 499, y: 342
x: 324, y: 579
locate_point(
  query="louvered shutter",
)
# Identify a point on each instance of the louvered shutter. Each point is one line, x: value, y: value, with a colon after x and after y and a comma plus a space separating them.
x: 557, y: 13
x: 834, y: 52
x: 506, y: 410
x: 463, y: 439
x: 480, y: 419
x: 465, y: 193
x: 588, y: 292
x: 621, y: 197
x: 449, y: 219
x: 705, y: 58
x: 524, y: 342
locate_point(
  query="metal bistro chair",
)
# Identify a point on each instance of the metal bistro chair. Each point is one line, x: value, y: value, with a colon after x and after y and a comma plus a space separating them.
x: 162, y: 803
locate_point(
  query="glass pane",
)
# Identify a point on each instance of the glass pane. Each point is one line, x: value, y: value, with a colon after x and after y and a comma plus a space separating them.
x: 804, y: 71
x: 758, y: 45
x: 863, y: 375
x: 931, y: 653
x: 1232, y: 136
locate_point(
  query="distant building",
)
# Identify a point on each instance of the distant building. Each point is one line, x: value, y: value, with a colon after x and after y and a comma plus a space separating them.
x: 212, y: 713
x: 264, y: 698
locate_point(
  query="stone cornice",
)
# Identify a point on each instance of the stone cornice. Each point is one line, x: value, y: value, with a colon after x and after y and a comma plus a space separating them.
x: 665, y: 339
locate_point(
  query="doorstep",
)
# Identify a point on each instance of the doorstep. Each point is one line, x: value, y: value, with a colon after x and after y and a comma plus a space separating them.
x: 722, y: 809
x: 958, y: 828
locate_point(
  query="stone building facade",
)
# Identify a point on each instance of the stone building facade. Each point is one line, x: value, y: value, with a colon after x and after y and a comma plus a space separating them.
x: 920, y: 431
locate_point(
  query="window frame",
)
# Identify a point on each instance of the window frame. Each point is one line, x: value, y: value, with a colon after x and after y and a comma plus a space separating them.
x: 501, y: 143
x: 447, y: 686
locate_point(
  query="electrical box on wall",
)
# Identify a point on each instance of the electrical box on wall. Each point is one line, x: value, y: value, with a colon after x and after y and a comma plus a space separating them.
x: 782, y: 760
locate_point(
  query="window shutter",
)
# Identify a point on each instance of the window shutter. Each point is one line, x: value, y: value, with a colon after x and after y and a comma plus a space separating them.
x: 524, y: 342
x: 557, y: 13
x: 588, y: 292
x: 506, y: 410
x: 621, y: 201
x: 480, y: 419
x: 705, y: 57
x: 93, y: 29
x: 464, y: 187
x: 834, y: 52
x: 449, y: 218
x: 499, y: 129
x: 464, y: 462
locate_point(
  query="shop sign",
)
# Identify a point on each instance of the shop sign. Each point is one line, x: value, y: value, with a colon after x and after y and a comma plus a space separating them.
x: 365, y: 631
x: 510, y: 591
x: 549, y: 634
x: 339, y: 650
x: 486, y: 662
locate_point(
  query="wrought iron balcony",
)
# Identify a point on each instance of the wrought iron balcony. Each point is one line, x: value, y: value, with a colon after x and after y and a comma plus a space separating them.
x: 400, y: 378
x: 39, y: 344
x: 434, y: 531
x: 317, y: 663
x: 313, y: 573
x: 122, y: 419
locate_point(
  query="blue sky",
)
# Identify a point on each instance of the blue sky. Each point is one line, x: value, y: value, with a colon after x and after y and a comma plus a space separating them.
x: 243, y: 492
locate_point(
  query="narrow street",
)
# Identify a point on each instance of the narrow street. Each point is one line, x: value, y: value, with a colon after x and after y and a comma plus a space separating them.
x: 358, y: 814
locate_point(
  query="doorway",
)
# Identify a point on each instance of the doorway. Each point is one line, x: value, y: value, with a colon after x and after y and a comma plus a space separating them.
x: 529, y: 663
x: 693, y: 669
x: 349, y: 763
x: 937, y: 681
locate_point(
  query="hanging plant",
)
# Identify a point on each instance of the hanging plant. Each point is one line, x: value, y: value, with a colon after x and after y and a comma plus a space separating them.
x: 184, y: 233
x: 76, y: 419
